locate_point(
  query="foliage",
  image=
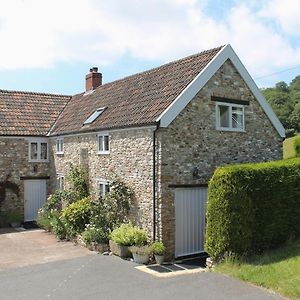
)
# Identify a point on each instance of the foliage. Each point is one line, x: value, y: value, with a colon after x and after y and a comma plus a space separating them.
x: 13, y: 216
x: 76, y: 216
x: 297, y: 146
x: 289, y: 147
x: 252, y: 207
x: 285, y: 101
x: 277, y: 269
x: 116, y: 203
x: 128, y: 235
x: 53, y: 202
x: 158, y: 248
x: 57, y: 225
x: 92, y: 234
x: 77, y: 180
x: 141, y: 250
x: 44, y: 220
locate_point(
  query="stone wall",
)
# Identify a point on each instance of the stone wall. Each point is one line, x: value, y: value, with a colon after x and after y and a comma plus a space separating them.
x: 130, y: 159
x: 192, y: 140
x: 14, y: 165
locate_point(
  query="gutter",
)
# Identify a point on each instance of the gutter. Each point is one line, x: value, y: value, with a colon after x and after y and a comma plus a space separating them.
x: 154, y: 180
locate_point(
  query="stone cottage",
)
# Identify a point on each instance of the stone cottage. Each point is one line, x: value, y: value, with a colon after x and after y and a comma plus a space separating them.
x: 163, y: 131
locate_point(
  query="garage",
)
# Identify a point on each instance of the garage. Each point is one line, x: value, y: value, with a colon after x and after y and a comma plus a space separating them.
x: 190, y: 210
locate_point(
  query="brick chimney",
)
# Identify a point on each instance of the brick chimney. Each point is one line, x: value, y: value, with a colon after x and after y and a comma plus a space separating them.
x: 93, y: 79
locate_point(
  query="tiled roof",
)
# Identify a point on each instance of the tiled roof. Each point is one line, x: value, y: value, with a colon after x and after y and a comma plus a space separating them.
x: 26, y: 113
x: 135, y: 100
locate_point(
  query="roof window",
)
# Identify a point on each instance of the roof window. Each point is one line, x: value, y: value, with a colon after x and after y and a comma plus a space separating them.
x: 94, y: 116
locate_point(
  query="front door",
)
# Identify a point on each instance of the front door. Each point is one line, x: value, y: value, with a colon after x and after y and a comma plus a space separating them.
x: 190, y: 209
x: 34, y: 198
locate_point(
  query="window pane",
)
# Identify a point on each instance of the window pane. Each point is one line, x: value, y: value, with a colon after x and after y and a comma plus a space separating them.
x: 101, y: 190
x: 106, y: 143
x: 44, y: 151
x: 57, y: 146
x: 237, y: 120
x: 100, y: 143
x: 237, y: 110
x: 106, y: 188
x: 223, y: 116
x: 33, y: 150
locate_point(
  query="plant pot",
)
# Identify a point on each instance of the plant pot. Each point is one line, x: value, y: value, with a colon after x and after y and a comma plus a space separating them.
x: 159, y: 259
x: 119, y: 250
x: 140, y: 258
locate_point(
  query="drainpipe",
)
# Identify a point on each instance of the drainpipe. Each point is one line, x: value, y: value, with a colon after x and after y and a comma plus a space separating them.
x: 154, y: 182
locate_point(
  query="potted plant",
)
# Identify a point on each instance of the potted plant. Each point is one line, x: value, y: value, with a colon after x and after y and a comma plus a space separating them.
x: 14, y: 218
x: 120, y: 239
x: 95, y: 238
x: 140, y: 254
x: 158, y: 249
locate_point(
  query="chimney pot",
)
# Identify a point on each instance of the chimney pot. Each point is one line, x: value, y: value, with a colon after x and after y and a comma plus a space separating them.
x: 93, y: 79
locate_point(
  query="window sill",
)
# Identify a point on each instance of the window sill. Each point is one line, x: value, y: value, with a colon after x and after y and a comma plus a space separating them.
x: 230, y: 129
x: 103, y: 152
x: 38, y: 160
x: 60, y: 153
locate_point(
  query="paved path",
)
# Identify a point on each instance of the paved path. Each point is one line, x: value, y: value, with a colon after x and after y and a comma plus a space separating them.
x: 30, y: 247
x: 108, y: 277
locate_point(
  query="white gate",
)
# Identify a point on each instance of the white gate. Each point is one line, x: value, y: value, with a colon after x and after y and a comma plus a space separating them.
x: 190, y: 209
x: 34, y: 198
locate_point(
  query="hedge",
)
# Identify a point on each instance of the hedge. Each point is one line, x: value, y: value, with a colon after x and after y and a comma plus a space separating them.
x: 252, y: 207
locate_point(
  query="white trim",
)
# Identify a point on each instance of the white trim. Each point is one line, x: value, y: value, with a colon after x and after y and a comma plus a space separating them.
x: 60, y: 142
x: 103, y: 134
x: 202, y: 78
x: 59, y: 184
x: 230, y: 106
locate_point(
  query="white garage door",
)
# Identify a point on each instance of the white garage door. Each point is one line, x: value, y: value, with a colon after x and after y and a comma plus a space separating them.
x: 190, y: 209
x: 34, y: 197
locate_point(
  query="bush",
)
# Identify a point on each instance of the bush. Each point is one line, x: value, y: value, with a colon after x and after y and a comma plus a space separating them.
x: 141, y: 250
x: 76, y: 216
x: 158, y: 248
x: 44, y: 220
x: 57, y: 225
x: 77, y: 179
x: 94, y: 235
x: 253, y: 207
x: 297, y: 146
x: 128, y: 235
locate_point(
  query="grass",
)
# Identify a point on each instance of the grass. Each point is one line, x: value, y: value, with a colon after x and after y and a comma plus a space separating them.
x: 288, y: 147
x: 278, y: 270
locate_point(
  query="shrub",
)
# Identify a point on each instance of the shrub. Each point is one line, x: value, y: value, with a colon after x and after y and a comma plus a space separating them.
x: 76, y: 216
x: 94, y: 235
x: 57, y: 225
x: 297, y: 146
x: 128, y: 235
x: 53, y: 202
x: 252, y: 207
x: 141, y: 250
x: 43, y: 220
x: 77, y: 179
x: 158, y: 248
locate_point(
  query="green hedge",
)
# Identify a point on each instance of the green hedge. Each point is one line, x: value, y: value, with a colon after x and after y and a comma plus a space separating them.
x: 253, y: 207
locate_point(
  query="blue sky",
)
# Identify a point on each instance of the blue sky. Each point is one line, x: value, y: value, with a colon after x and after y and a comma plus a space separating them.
x: 49, y: 46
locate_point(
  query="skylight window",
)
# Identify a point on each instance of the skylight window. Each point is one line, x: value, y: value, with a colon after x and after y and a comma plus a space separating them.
x: 94, y: 116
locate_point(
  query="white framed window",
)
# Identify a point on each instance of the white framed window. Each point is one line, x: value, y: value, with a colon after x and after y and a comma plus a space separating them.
x: 103, y: 188
x: 60, y: 182
x: 60, y: 146
x: 230, y: 117
x: 103, y: 143
x: 38, y: 150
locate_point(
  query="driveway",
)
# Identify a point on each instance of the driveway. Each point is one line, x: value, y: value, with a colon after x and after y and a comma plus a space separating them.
x: 31, y: 247
x: 75, y: 273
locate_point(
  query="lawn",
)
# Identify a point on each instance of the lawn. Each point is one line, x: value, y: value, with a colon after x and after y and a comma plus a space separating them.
x: 288, y: 147
x: 278, y: 270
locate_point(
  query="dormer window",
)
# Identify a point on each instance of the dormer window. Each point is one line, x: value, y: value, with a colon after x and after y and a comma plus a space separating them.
x: 94, y: 116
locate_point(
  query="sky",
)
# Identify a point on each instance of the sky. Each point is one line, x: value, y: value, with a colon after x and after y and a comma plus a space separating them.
x: 49, y: 46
